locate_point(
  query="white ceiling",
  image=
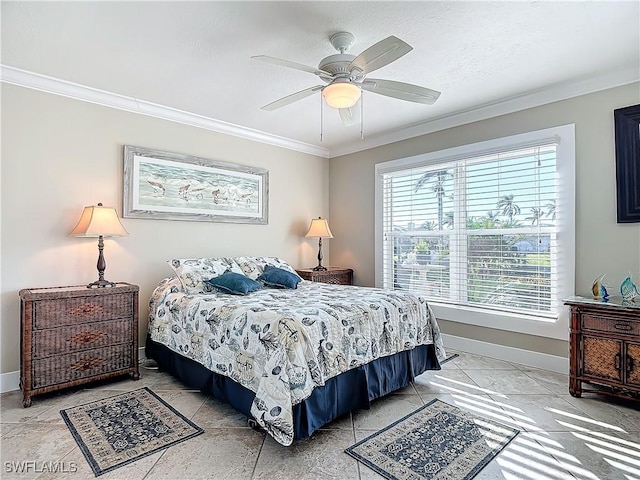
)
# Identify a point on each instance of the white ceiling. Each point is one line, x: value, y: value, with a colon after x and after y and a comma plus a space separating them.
x: 195, y: 56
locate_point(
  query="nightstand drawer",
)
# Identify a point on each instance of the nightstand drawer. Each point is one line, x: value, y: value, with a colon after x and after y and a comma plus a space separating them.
x: 603, y: 323
x: 75, y: 338
x: 335, y: 278
x: 68, y: 311
x: 334, y: 275
x: 76, y: 366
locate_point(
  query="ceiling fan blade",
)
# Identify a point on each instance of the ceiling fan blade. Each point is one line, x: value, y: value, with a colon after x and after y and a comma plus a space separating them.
x: 294, y: 97
x: 380, y: 54
x: 350, y: 116
x: 403, y: 91
x: 294, y: 65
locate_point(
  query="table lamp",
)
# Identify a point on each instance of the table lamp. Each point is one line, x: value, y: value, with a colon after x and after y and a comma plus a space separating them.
x: 99, y: 221
x: 319, y: 228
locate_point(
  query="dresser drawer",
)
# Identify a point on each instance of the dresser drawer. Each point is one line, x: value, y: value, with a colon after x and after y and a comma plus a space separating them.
x: 75, y: 338
x: 334, y: 275
x: 76, y: 366
x: 69, y: 311
x: 336, y: 279
x: 603, y: 323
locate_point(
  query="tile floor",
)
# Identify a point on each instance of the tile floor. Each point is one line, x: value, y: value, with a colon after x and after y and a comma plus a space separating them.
x: 561, y: 437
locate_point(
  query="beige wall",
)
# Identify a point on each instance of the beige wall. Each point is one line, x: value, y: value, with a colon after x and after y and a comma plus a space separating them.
x: 59, y: 155
x: 602, y: 245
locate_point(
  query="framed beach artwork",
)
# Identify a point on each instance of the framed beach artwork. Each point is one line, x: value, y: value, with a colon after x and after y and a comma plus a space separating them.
x: 172, y: 186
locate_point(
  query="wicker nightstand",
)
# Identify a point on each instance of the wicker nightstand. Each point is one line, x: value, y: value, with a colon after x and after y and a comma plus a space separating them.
x: 605, y: 346
x: 74, y: 335
x: 337, y: 275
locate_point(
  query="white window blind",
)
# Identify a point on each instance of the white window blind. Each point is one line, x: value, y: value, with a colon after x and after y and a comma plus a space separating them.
x: 479, y: 230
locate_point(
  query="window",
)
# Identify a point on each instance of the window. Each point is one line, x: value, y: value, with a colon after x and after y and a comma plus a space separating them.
x: 485, y: 232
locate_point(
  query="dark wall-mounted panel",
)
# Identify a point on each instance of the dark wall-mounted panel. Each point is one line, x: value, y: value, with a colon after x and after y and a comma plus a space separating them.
x: 627, y: 130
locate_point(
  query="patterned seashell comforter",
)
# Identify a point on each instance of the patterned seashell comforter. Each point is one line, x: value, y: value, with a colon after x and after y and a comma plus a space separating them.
x: 281, y: 344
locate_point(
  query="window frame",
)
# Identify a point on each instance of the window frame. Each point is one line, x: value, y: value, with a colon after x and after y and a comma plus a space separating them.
x: 558, y: 327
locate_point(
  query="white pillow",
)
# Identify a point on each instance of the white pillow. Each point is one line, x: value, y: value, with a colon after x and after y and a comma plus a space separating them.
x: 193, y: 272
x: 253, y: 267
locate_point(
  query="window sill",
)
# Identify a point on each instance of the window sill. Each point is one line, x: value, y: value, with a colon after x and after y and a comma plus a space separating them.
x: 557, y: 328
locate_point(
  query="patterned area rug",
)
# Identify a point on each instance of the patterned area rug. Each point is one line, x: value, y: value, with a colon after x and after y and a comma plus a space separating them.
x: 121, y: 429
x: 437, y: 441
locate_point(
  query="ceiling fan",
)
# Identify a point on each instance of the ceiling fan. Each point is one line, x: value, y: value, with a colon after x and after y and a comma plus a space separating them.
x: 345, y: 76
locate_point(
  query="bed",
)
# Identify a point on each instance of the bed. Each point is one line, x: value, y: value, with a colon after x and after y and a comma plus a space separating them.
x: 291, y: 359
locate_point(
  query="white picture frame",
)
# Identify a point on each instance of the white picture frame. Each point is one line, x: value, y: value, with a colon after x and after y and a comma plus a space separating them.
x: 172, y: 186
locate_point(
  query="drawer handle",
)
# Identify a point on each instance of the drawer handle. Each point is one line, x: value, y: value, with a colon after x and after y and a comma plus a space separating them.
x: 616, y: 361
x: 86, y: 337
x: 622, y: 326
x: 629, y: 365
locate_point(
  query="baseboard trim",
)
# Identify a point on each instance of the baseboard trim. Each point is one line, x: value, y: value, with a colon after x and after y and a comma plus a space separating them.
x: 520, y: 356
x: 10, y: 381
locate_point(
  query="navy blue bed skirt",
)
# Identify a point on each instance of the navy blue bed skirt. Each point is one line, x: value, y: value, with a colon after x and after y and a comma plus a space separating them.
x: 347, y: 392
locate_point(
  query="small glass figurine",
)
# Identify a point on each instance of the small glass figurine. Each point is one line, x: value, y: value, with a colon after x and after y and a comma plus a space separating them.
x: 599, y: 289
x: 628, y: 290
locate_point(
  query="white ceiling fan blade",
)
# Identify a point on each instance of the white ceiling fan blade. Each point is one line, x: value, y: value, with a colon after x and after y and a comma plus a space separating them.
x: 294, y: 65
x: 403, y: 91
x: 350, y: 116
x: 294, y: 97
x: 380, y: 54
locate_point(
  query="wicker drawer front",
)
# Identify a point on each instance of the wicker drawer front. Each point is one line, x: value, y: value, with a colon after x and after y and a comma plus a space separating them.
x: 602, y: 358
x: 75, y: 366
x: 633, y: 364
x: 610, y: 324
x: 75, y: 338
x: 335, y: 278
x: 67, y: 311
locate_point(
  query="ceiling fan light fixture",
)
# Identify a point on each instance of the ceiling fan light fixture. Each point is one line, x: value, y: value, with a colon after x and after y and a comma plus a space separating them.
x: 341, y: 94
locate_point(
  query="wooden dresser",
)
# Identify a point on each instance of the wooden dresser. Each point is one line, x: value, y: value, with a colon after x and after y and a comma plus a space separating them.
x: 336, y: 275
x: 604, y: 346
x: 74, y: 335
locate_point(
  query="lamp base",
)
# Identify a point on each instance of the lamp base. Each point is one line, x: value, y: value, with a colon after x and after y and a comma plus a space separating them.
x: 319, y: 268
x: 101, y: 284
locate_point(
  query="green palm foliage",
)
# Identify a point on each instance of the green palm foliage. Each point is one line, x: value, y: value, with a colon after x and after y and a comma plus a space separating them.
x: 508, y: 206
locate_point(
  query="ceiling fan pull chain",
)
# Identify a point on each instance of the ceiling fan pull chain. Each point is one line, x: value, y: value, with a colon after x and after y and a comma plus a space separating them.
x: 321, y: 118
x: 361, y: 117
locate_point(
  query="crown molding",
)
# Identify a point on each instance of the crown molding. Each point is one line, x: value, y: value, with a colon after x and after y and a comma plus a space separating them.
x: 508, y: 105
x: 534, y: 98
x: 56, y: 86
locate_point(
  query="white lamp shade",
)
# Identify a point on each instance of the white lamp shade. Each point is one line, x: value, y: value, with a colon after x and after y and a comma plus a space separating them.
x: 319, y: 228
x: 99, y: 220
x: 341, y: 94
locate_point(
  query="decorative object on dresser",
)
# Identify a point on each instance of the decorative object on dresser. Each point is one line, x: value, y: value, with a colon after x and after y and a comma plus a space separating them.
x: 98, y: 221
x: 629, y: 290
x: 319, y: 229
x: 599, y: 289
x: 604, y: 346
x: 336, y: 275
x: 74, y: 335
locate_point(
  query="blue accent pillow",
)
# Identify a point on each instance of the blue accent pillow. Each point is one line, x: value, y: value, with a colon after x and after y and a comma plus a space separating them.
x: 234, y: 283
x: 278, y: 277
